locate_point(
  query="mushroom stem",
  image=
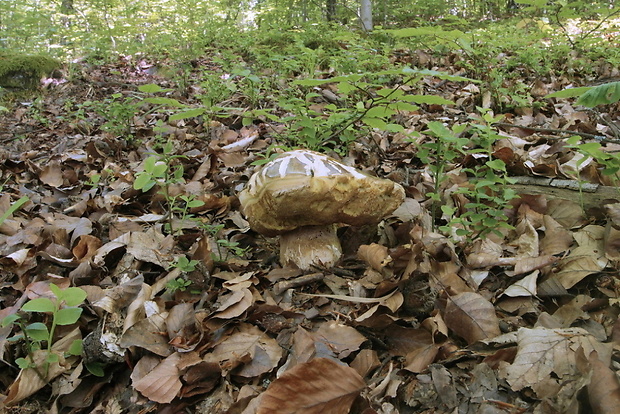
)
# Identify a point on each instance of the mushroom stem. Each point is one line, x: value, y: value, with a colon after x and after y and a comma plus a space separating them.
x: 310, y: 246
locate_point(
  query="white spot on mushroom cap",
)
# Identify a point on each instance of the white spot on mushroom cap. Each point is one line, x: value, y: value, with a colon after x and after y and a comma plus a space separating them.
x: 300, y: 162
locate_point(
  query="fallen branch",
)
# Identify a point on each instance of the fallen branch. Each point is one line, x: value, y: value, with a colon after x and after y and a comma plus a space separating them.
x: 593, y: 195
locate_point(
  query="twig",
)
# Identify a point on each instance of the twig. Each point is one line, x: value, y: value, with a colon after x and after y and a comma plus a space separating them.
x: 283, y: 286
x: 599, y: 138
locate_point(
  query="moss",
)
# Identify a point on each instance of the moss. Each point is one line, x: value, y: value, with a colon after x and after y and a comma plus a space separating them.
x: 24, y: 71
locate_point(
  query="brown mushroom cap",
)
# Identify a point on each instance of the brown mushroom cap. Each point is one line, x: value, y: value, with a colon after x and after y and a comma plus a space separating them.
x: 305, y: 188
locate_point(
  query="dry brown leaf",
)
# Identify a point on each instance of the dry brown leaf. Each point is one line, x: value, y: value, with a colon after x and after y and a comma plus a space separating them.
x: 365, y: 362
x: 556, y: 239
x: 416, y: 345
x: 321, y: 386
x: 162, y: 383
x: 151, y: 246
x: 581, y: 262
x: 566, y: 213
x: 613, y: 212
x: 184, y: 331
x: 523, y: 287
x: 51, y: 174
x: 248, y: 348
x: 546, y: 358
x: 86, y: 247
x: 442, y: 380
x: 234, y: 304
x: 340, y: 339
x: 375, y: 255
x: 529, y: 264
x: 118, y: 297
x: 304, y: 348
x: 148, y: 334
x: 612, y: 243
x: 472, y: 317
x: 527, y: 242
x: 28, y: 380
x: 393, y: 303
x: 604, y: 388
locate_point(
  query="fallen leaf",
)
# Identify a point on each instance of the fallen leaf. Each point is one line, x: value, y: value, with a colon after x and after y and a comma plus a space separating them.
x: 339, y: 339
x: 472, y: 317
x: 162, y: 383
x: 546, y: 358
x: 248, y: 348
x: 604, y: 388
x: 321, y: 386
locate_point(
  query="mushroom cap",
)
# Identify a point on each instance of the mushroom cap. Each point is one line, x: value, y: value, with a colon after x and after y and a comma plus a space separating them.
x: 305, y: 188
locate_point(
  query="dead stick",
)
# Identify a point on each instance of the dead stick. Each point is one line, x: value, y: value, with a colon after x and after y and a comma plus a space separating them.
x: 283, y: 286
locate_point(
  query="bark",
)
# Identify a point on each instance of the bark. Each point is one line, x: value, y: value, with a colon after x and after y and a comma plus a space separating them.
x: 366, y: 14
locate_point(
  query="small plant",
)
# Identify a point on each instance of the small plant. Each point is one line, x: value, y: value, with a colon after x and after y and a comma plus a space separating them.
x: 118, y: 113
x: 439, y: 154
x: 178, y: 284
x: 489, y: 193
x: 64, y: 310
x: 13, y: 208
x: 184, y: 264
x: 159, y: 170
x: 224, y: 246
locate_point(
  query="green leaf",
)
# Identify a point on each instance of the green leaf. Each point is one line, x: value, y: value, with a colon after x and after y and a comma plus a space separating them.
x: 73, y: 296
x: 95, y: 368
x: 497, y: 165
x: 404, y: 106
x: 604, y: 94
x: 152, y: 88
x: 569, y: 93
x: 75, y: 348
x: 8, y: 320
x: 375, y: 123
x: 39, y: 305
x: 38, y: 331
x: 195, y: 203
x: 149, y: 164
x: 413, y: 31
x: 52, y: 357
x: 160, y: 169
x: 68, y: 316
x: 165, y: 101
x: 143, y: 182
x: 428, y: 99
x: 23, y: 363
x: 438, y: 129
x: 13, y: 208
x: 316, y: 82
x: 379, y: 112
x: 188, y: 114
x: 394, y: 128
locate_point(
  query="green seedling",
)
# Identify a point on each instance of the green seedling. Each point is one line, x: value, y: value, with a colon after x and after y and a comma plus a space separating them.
x: 159, y: 170
x: 13, y: 208
x: 177, y: 284
x: 184, y: 264
x: 64, y: 310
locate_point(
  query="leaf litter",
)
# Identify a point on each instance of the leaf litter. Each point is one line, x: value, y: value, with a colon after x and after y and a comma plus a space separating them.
x: 410, y: 321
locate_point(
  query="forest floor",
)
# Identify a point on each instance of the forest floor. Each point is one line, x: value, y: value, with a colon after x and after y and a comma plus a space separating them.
x: 186, y: 309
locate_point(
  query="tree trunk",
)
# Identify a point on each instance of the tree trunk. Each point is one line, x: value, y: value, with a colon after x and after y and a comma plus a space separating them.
x: 366, y: 14
x: 330, y: 10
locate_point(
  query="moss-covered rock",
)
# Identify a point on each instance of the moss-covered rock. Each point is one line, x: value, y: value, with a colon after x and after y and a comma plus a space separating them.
x: 24, y: 71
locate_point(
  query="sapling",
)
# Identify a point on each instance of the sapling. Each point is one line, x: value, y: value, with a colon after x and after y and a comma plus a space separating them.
x: 64, y: 310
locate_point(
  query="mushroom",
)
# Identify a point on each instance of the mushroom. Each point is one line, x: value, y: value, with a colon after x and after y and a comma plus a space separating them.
x: 302, y: 195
